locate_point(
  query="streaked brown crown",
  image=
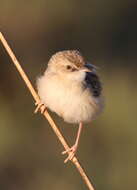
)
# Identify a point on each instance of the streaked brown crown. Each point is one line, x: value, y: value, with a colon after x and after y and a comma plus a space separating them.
x: 73, y: 56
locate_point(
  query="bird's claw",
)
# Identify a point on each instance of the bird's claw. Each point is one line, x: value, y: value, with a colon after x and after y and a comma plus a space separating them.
x: 40, y: 106
x: 71, y: 151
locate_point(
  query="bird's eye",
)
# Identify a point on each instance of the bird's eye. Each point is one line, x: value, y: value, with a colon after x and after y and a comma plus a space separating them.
x: 69, y: 67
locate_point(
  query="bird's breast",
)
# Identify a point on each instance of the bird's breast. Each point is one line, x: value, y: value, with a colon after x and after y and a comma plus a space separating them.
x: 68, y: 99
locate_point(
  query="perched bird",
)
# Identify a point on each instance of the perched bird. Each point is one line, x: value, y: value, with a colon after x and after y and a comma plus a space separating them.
x: 71, y: 88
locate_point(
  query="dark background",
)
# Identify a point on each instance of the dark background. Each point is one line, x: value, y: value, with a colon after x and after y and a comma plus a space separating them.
x: 105, y: 31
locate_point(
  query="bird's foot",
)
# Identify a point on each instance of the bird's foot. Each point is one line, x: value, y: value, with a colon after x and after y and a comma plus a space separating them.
x: 71, y: 151
x: 40, y: 106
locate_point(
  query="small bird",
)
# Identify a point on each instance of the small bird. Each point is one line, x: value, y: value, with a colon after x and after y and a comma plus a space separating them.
x: 71, y: 88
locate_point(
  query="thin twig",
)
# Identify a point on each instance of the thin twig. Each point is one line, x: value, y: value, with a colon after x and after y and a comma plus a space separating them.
x: 46, y: 114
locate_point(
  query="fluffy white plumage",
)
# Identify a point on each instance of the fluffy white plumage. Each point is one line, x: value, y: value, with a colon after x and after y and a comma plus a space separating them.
x: 64, y: 91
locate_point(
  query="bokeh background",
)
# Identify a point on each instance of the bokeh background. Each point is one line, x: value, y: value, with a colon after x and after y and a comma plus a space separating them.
x: 105, y: 31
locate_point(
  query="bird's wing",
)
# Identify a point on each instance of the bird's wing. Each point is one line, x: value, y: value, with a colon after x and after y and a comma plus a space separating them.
x: 92, y: 81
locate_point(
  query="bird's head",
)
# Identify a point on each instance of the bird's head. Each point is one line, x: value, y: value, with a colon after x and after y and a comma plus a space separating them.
x: 70, y: 64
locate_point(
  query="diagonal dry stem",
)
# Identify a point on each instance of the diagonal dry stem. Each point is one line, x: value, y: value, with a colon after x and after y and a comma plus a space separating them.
x: 46, y: 114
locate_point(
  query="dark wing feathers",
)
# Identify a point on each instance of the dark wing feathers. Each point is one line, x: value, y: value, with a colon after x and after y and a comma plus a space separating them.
x: 92, y: 81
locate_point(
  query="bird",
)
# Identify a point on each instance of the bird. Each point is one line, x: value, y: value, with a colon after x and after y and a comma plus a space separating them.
x: 71, y: 87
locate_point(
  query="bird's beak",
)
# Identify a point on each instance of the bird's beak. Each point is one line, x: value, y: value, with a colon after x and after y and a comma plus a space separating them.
x: 86, y: 69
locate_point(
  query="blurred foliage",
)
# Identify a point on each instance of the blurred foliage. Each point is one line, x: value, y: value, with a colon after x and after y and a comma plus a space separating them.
x: 106, y: 33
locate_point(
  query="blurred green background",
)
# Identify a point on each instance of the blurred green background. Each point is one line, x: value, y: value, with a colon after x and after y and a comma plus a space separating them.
x: 105, y: 31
